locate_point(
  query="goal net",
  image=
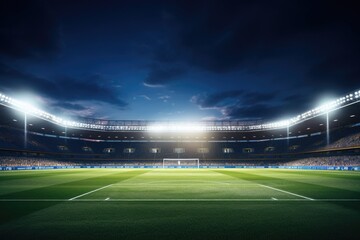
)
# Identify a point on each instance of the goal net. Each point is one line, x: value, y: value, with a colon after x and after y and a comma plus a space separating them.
x: 181, y: 163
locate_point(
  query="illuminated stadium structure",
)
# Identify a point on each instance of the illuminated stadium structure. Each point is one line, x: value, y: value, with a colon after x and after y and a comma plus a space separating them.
x: 119, y: 125
x: 27, y: 130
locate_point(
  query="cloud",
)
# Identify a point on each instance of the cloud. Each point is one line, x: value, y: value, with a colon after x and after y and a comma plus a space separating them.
x: 339, y: 71
x: 268, y: 108
x: 164, y: 98
x: 160, y: 76
x: 143, y: 97
x: 221, y: 36
x: 255, y: 111
x: 249, y: 105
x: 27, y: 30
x: 216, y: 100
x: 70, y: 106
x: 17, y: 80
x: 73, y: 110
x: 86, y: 88
x: 90, y: 88
x: 218, y: 43
x: 264, y: 37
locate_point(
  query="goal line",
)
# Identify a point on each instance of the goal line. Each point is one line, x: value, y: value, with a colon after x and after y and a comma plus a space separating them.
x: 176, y: 162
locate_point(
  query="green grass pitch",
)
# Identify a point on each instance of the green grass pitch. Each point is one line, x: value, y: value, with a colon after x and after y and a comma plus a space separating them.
x: 179, y: 204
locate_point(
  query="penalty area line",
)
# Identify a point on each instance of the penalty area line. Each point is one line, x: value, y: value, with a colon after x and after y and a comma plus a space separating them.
x: 84, y: 194
x: 294, y: 194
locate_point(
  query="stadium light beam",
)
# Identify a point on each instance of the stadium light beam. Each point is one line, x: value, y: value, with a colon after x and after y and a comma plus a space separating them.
x: 25, y: 130
x: 26, y: 107
x: 176, y: 127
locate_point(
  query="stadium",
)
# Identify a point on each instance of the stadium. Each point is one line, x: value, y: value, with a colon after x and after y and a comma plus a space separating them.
x: 207, y: 177
x: 324, y: 134
x: 189, y: 120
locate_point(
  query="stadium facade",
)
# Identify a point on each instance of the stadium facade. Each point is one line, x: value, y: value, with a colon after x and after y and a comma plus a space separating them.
x: 331, y: 130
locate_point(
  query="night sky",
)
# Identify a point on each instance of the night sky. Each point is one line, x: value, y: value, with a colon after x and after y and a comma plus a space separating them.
x: 178, y: 60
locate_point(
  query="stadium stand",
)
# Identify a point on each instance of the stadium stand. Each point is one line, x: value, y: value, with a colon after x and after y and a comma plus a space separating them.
x: 43, y: 142
x: 12, y: 161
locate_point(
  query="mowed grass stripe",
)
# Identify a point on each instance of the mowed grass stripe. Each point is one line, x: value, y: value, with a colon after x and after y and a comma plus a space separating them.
x: 344, y: 175
x: 17, y: 175
x: 334, y: 179
x: 185, y: 184
x: 20, y: 185
x: 181, y: 200
x: 337, y: 187
x: 11, y: 211
x: 93, y: 218
x: 311, y: 190
x: 74, y: 188
x: 188, y: 220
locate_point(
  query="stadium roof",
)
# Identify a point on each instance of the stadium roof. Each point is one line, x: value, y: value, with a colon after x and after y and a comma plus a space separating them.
x: 171, y: 126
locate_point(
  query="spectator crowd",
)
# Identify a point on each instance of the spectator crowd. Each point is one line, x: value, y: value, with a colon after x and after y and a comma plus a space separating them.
x: 12, y: 161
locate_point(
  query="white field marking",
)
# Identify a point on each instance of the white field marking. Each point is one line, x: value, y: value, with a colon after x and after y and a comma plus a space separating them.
x: 107, y: 199
x: 90, y: 192
x: 274, y: 198
x: 183, y: 185
x: 153, y: 200
x: 194, y: 200
x: 33, y: 200
x: 294, y: 194
x: 178, y: 182
x: 182, y: 200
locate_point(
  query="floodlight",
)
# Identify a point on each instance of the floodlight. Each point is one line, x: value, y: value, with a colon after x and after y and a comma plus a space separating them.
x: 278, y: 124
x: 156, y: 128
x: 26, y: 107
x: 176, y: 127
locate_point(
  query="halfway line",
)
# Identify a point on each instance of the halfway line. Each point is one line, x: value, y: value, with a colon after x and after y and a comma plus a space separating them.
x: 294, y: 194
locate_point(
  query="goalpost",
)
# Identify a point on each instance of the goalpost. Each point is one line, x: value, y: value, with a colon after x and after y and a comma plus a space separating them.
x: 177, y: 162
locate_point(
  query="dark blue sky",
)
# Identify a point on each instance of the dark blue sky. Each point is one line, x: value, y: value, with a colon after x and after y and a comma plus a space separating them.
x: 178, y: 60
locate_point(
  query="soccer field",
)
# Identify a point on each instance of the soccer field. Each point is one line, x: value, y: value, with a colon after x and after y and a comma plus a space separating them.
x: 179, y: 204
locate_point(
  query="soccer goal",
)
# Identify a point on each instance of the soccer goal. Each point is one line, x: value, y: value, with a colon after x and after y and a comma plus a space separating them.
x: 181, y: 162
